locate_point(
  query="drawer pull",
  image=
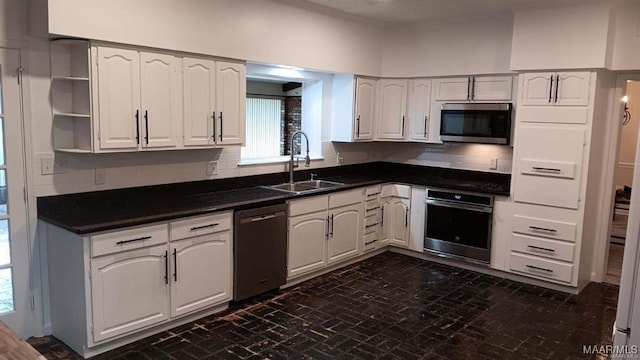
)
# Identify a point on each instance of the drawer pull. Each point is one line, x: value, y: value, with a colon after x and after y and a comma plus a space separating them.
x: 537, y: 228
x: 370, y: 242
x: 539, y: 269
x: 546, y: 170
x: 203, y: 226
x: 373, y: 208
x: 540, y: 248
x: 133, y: 240
x: 368, y: 226
x: 374, y: 194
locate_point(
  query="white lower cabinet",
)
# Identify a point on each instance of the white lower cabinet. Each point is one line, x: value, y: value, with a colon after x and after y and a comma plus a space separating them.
x: 322, y: 231
x: 114, y: 284
x: 308, y: 236
x: 396, y: 214
x: 129, y: 291
x: 344, y: 237
x: 201, y: 272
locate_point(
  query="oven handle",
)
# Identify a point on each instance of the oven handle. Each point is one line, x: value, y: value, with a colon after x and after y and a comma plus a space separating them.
x: 483, y: 209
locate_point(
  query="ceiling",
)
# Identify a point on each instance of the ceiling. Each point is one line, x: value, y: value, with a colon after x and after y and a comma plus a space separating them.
x: 405, y: 11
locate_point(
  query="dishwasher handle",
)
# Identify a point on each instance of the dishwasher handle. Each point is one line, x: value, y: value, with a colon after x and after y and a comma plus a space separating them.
x: 263, y: 217
x: 256, y: 216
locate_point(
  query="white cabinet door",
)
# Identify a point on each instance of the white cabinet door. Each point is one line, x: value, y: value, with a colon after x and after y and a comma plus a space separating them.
x: 199, y: 101
x: 231, y: 100
x: 386, y: 220
x: 453, y: 89
x: 345, y: 234
x: 400, y: 209
x: 365, y: 108
x: 393, y: 105
x: 129, y: 291
x: 548, y: 165
x: 201, y: 272
x: 419, y: 107
x: 537, y: 88
x: 572, y: 88
x: 161, y: 100
x: 308, y: 235
x: 492, y: 88
x: 118, y: 98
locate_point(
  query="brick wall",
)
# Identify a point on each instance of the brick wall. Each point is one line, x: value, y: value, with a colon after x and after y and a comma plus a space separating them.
x: 292, y: 123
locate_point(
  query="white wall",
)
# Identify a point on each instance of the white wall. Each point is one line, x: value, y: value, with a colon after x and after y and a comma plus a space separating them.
x: 255, y: 30
x: 452, y: 48
x: 567, y: 37
x: 626, y: 42
x: 13, y: 26
x: 628, y: 138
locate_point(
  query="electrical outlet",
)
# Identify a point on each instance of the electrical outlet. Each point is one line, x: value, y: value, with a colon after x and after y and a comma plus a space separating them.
x: 212, y: 168
x: 339, y: 158
x: 100, y: 176
x: 493, y: 164
x: 53, y: 165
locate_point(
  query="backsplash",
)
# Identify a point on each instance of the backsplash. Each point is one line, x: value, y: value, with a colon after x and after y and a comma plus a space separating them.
x: 151, y: 168
x: 450, y: 155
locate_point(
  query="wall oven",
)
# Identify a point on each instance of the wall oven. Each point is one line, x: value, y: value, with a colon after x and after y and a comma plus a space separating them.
x: 476, y: 123
x: 458, y: 224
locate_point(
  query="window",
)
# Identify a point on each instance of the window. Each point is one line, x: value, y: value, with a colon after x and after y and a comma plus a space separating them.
x: 274, y: 113
x: 264, y: 128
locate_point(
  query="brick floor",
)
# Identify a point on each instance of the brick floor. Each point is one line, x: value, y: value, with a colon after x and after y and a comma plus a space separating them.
x: 389, y: 307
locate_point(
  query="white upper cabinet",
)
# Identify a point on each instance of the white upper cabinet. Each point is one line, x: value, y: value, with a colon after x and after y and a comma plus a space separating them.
x: 393, y: 105
x: 491, y: 88
x: 475, y: 88
x: 161, y: 100
x: 419, y: 107
x: 231, y: 102
x: 572, y: 88
x: 365, y: 108
x: 199, y: 101
x: 456, y: 89
x: 556, y: 89
x: 118, y: 98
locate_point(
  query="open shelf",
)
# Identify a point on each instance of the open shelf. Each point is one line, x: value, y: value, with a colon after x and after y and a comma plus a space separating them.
x: 71, y: 96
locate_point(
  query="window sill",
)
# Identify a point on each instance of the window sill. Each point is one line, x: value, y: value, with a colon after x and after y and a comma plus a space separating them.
x: 280, y: 159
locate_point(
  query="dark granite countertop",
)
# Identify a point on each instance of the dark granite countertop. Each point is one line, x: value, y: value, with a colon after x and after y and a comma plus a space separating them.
x: 84, y: 213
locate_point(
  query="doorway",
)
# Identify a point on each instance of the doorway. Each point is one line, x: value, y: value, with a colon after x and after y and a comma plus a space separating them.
x: 623, y: 179
x: 15, y: 296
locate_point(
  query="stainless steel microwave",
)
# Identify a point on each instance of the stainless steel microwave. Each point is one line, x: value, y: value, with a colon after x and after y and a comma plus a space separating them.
x: 487, y: 123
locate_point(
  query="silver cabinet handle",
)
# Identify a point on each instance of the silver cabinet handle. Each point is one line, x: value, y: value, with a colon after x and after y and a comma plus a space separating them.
x: 469, y: 88
x: 331, y: 226
x: 373, y: 208
x: 133, y: 240
x: 531, y: 267
x: 473, y: 87
x: 326, y: 234
x: 213, y: 124
x: 370, y: 242
x: 557, y: 86
x: 358, y: 126
x: 402, y: 125
x: 426, y: 119
x: 532, y: 247
x: 166, y: 267
x: 382, y: 216
x: 204, y: 226
x: 221, y: 126
x: 551, y: 88
x: 175, y: 265
x: 537, y: 228
x: 546, y: 170
x: 406, y: 216
x: 372, y: 225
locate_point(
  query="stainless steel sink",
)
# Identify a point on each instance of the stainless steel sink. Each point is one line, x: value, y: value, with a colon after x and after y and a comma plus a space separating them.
x: 306, y: 186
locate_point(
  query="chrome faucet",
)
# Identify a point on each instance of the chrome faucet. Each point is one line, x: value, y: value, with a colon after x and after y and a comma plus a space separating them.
x: 307, y: 159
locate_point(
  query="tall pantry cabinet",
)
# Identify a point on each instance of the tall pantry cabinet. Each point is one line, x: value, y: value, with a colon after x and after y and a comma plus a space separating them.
x: 556, y: 167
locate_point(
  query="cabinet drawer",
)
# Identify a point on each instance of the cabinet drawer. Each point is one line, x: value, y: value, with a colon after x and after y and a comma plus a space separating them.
x: 402, y: 191
x: 553, y: 114
x: 372, y: 192
x: 129, y: 239
x: 200, y: 225
x: 370, y: 223
x: 370, y: 207
x: 545, y: 228
x: 345, y: 198
x: 551, y: 249
x: 371, y: 240
x: 308, y: 205
x: 542, y: 268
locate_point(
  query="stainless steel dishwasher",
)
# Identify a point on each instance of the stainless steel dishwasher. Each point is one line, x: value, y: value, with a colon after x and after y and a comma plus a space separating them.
x: 260, y: 250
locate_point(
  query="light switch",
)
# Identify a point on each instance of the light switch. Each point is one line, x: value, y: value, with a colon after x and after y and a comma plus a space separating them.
x: 493, y: 164
x: 53, y: 165
x: 212, y: 168
x: 100, y: 177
